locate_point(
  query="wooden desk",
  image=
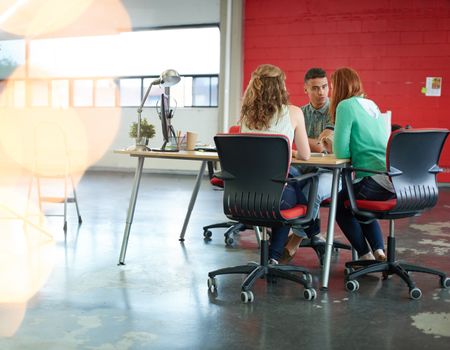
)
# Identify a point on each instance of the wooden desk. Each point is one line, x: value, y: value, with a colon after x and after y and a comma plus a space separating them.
x: 328, y: 161
x: 204, y: 157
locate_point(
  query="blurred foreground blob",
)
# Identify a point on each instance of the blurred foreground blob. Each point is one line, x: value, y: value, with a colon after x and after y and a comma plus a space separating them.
x: 27, y: 253
x: 51, y: 141
x: 37, y: 18
x: 43, y: 141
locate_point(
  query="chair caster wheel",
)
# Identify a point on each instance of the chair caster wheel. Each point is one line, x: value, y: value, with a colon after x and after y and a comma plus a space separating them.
x: 310, y: 294
x: 415, y: 293
x: 352, y: 285
x: 212, y: 287
x: 445, y: 282
x: 207, y: 234
x: 247, y: 296
x: 229, y: 241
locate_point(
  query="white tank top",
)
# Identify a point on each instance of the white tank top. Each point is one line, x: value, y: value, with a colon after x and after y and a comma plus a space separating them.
x: 278, y: 125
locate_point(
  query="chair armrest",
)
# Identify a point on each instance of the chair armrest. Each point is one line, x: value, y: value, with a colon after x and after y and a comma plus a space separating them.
x: 313, y: 179
x: 347, y: 178
x: 436, y: 169
x: 303, y: 177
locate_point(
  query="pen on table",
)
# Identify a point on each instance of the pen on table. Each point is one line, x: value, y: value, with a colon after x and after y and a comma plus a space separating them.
x: 178, y: 139
x: 319, y: 142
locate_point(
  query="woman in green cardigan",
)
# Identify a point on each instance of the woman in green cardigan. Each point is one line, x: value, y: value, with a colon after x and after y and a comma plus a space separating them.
x: 360, y: 134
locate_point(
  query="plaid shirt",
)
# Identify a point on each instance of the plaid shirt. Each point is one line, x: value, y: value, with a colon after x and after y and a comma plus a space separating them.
x: 316, y: 120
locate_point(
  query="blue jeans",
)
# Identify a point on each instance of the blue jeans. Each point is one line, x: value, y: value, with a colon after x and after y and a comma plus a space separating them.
x: 357, y: 233
x: 323, y: 192
x: 292, y: 195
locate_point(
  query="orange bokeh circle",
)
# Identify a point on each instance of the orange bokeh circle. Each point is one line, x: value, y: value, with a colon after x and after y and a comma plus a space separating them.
x: 37, y: 17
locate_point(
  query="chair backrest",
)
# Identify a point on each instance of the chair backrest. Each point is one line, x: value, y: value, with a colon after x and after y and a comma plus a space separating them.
x: 254, y: 169
x: 412, y: 156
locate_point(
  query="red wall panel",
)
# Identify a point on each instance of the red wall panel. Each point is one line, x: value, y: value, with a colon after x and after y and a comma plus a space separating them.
x: 394, y: 45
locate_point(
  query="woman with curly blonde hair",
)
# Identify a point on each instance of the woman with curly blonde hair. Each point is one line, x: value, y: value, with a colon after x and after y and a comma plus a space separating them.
x: 266, y: 109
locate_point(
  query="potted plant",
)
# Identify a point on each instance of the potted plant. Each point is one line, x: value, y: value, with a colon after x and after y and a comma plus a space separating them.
x: 147, y: 132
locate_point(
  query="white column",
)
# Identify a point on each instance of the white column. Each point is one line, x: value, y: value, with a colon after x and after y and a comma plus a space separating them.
x: 231, y: 62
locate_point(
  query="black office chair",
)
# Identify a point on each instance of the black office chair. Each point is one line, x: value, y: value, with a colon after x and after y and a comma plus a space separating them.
x: 233, y: 228
x: 412, y: 157
x: 255, y: 171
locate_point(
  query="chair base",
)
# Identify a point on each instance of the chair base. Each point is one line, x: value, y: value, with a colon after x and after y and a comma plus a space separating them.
x: 270, y: 272
x: 319, y: 246
x: 390, y: 267
x: 401, y: 269
x: 233, y: 229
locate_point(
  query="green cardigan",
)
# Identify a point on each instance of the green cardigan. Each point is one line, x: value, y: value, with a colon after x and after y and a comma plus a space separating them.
x: 361, y: 134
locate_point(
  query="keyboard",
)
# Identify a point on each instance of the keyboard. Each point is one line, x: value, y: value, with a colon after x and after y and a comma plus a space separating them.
x: 205, y: 149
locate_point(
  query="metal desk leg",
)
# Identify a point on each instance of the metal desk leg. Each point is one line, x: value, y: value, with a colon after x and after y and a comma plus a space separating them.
x: 330, y: 229
x: 131, y: 207
x: 193, y: 198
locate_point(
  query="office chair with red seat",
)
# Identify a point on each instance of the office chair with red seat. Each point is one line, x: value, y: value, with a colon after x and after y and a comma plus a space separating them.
x: 233, y: 227
x: 255, y: 170
x: 412, y: 158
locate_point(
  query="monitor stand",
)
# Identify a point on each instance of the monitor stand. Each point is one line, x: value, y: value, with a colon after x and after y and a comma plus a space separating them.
x: 163, y: 148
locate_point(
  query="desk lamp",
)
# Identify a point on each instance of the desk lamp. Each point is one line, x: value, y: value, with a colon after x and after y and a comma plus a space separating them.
x: 167, y: 79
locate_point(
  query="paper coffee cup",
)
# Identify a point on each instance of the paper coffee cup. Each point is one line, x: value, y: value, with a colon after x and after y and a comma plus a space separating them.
x: 191, y: 140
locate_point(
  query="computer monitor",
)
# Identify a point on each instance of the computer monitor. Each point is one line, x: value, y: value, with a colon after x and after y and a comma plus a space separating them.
x: 167, y: 130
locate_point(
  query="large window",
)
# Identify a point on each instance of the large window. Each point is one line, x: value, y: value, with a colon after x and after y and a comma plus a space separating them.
x: 12, y: 55
x: 191, y: 91
x: 113, y: 70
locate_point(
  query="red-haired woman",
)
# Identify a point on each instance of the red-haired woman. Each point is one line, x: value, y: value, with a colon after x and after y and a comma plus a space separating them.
x: 360, y: 134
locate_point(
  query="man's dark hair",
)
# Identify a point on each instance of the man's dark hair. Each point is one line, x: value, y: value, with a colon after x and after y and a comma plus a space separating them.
x: 395, y: 127
x: 314, y: 73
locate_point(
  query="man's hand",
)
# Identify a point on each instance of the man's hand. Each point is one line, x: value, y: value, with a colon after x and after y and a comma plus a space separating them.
x: 328, y: 144
x: 326, y: 133
x: 315, y: 145
x: 326, y: 139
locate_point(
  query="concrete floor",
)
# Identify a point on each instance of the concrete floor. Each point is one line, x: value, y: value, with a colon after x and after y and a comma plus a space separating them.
x: 160, y: 300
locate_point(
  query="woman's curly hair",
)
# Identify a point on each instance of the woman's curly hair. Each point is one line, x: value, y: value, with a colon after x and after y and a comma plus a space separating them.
x: 264, y: 97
